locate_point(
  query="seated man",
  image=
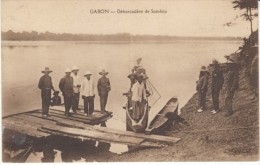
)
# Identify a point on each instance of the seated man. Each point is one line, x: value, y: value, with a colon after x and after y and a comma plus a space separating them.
x: 56, y: 99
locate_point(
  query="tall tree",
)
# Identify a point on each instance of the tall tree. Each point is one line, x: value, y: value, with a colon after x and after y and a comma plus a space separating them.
x: 248, y: 6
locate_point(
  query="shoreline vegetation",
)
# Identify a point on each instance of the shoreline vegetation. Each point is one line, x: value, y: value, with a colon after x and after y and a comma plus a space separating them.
x: 207, y: 137
x: 126, y: 37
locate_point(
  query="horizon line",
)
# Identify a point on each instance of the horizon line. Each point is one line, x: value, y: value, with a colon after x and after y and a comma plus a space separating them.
x: 183, y: 36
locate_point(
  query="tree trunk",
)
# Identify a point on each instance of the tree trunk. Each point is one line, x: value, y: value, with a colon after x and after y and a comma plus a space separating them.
x: 251, y: 19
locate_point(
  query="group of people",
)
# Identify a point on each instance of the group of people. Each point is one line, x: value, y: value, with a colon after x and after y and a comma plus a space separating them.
x: 216, y: 86
x: 72, y: 88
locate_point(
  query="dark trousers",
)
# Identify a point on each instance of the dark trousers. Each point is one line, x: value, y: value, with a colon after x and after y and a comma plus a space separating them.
x: 229, y: 100
x: 88, y: 104
x: 67, y: 103
x: 103, y: 101
x: 215, y: 99
x: 202, y: 100
x: 75, y: 101
x: 46, y: 101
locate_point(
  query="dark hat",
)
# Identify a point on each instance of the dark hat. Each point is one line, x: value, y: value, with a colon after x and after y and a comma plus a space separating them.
x: 203, y: 69
x: 47, y: 69
x: 56, y: 92
x: 132, y: 75
x: 215, y: 62
x: 139, y: 59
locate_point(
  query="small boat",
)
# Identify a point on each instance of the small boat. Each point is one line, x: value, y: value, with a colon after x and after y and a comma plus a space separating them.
x: 165, y: 116
x: 138, y: 126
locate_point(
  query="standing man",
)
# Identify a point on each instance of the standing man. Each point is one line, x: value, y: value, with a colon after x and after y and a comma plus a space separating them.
x: 87, y: 90
x: 104, y: 88
x: 202, y: 86
x: 76, y: 88
x: 138, y: 98
x: 217, y: 83
x: 232, y: 86
x: 45, y: 84
x: 66, y: 87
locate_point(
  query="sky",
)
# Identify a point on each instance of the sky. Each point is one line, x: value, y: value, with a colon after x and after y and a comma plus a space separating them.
x: 183, y: 17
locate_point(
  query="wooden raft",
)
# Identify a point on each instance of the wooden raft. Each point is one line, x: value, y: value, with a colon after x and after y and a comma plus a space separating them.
x: 78, y: 126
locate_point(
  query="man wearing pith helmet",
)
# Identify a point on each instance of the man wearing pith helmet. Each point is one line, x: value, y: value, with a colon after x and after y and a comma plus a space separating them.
x: 66, y: 87
x: 87, y: 91
x: 76, y: 88
x: 45, y: 84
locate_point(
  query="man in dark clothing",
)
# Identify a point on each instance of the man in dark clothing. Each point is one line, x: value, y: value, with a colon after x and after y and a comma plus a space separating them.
x: 45, y: 84
x: 103, y: 87
x: 217, y: 83
x: 66, y: 87
x: 232, y: 86
x: 202, y: 86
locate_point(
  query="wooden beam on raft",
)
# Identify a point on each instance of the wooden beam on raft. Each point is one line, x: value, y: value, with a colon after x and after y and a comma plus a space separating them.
x: 98, y: 136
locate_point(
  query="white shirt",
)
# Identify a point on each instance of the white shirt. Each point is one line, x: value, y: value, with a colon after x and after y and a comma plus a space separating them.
x: 87, y: 87
x: 76, y: 82
x: 138, y: 92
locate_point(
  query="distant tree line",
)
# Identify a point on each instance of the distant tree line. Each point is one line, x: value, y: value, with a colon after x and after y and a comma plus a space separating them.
x: 48, y: 36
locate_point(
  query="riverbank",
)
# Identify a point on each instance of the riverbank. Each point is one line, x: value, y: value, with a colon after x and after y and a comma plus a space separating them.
x: 213, y: 137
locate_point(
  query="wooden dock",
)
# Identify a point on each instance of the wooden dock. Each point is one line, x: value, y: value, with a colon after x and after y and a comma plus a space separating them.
x: 78, y: 126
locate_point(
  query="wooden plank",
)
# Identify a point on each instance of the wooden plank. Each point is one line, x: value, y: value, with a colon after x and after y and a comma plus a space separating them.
x: 20, y: 113
x: 99, y: 136
x: 66, y: 121
x: 62, y: 109
x: 62, y: 117
x: 92, y: 134
x: 24, y: 130
x: 34, y: 120
x: 82, y: 119
x: 96, y: 115
x: 18, y: 122
x: 156, y: 138
x: 57, y: 119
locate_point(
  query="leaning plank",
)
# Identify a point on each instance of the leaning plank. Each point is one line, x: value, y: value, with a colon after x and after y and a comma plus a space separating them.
x: 24, y: 130
x: 99, y: 136
x: 154, y: 138
x: 20, y: 113
x: 34, y: 120
x: 18, y: 122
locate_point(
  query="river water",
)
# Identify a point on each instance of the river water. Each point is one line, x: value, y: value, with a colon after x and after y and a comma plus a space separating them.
x: 172, y: 68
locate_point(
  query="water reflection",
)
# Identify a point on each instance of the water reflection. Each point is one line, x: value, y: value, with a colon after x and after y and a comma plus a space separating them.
x: 53, y: 149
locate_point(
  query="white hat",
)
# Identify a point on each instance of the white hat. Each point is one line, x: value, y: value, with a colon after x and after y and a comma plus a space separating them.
x: 87, y: 73
x: 103, y: 72
x: 74, y: 68
x: 67, y: 70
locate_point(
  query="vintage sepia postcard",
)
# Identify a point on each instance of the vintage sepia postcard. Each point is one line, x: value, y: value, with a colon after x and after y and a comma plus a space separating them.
x: 129, y: 81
